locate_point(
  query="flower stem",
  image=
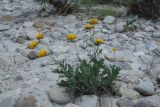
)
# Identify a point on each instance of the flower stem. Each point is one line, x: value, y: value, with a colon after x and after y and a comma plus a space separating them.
x: 114, y: 58
x: 78, y: 55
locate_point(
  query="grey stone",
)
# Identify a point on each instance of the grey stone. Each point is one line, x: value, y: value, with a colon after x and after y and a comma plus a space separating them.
x: 87, y: 101
x: 145, y: 88
x: 158, y: 27
x: 152, y: 101
x: 72, y: 105
x: 130, y: 93
x: 19, y: 77
x: 31, y: 33
x: 124, y: 65
x: 32, y: 55
x: 43, y: 100
x: 26, y: 101
x: 108, y: 101
x: 149, y: 29
x: 125, y: 102
x: 109, y: 19
x: 28, y: 24
x: 59, y: 95
x: 7, y: 18
x: 156, y: 34
x: 158, y: 78
x: 119, y: 27
x: 20, y: 39
x: 8, y: 102
x: 4, y: 27
x: 151, y: 45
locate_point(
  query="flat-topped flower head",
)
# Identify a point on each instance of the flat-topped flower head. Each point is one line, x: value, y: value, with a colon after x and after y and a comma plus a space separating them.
x: 114, y: 49
x: 99, y: 41
x: 33, y: 44
x: 89, y: 26
x: 40, y: 36
x: 71, y: 36
x: 93, y: 21
x: 42, y: 53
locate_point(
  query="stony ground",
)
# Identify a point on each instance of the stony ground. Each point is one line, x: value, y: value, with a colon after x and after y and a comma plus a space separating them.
x: 34, y: 83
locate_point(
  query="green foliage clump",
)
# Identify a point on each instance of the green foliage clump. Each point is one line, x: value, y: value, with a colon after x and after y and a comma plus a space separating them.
x: 146, y: 8
x: 102, y: 11
x: 130, y: 26
x: 89, y: 77
x: 62, y: 6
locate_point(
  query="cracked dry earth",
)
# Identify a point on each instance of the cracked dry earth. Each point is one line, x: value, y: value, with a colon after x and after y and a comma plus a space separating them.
x: 34, y: 80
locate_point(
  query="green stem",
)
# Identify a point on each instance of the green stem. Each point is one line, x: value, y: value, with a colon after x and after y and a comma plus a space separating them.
x: 78, y: 55
x: 114, y: 58
x: 96, y: 52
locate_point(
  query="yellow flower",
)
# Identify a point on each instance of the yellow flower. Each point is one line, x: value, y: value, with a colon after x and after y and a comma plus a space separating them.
x: 100, y: 41
x: 33, y: 44
x: 114, y: 49
x: 71, y: 36
x: 42, y: 53
x: 40, y: 36
x: 93, y: 21
x: 89, y: 26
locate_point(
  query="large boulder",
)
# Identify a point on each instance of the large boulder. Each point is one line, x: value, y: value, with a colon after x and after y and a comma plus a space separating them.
x: 152, y: 101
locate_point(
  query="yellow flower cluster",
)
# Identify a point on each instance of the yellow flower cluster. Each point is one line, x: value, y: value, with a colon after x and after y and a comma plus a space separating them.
x: 89, y: 26
x: 93, y: 21
x: 114, y: 49
x: 71, y: 36
x: 42, y: 53
x: 40, y: 36
x: 33, y: 44
x: 99, y: 41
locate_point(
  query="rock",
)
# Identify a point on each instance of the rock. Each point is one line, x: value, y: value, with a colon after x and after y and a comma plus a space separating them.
x: 32, y: 55
x: 57, y: 48
x: 140, y: 53
x: 125, y: 102
x: 41, y: 25
x: 158, y: 78
x: 72, y: 105
x: 87, y: 101
x: 31, y: 33
x: 59, y: 95
x: 19, y: 77
x: 8, y: 102
x: 26, y: 101
x: 111, y: 27
x: 124, y: 65
x: 152, y: 101
x: 107, y: 101
x: 151, y: 46
x: 43, y: 100
x: 110, y: 59
x: 33, y: 82
x: 20, y: 39
x: 50, y: 23
x: 156, y: 34
x: 157, y: 27
x: 149, y: 29
x: 145, y: 88
x: 130, y: 93
x: 28, y: 24
x: 4, y: 27
x: 119, y: 27
x: 7, y: 18
x: 109, y: 19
